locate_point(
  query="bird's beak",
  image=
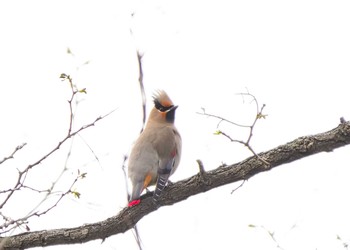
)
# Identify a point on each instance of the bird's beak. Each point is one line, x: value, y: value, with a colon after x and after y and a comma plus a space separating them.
x: 173, y: 108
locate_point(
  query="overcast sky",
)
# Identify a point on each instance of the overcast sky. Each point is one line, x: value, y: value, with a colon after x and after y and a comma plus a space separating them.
x: 294, y: 56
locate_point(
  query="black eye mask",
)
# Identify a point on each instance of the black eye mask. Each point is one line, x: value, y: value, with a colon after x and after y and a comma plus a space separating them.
x: 160, y: 107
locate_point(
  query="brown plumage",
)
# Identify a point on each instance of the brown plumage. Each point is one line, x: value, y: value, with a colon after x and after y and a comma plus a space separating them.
x: 156, y: 153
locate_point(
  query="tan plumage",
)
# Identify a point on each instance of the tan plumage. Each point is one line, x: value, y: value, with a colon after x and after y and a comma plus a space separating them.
x: 156, y: 153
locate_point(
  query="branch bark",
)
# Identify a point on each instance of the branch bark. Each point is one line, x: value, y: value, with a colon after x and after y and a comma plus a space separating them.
x: 129, y: 216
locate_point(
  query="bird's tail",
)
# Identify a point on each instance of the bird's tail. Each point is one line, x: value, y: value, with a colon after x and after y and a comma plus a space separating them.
x: 161, y: 182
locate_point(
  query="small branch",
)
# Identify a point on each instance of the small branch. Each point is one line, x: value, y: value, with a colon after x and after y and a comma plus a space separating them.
x: 202, y: 173
x: 258, y: 116
x: 137, y: 237
x: 22, y: 175
x: 221, y: 119
x: 91, y: 149
x: 125, y: 176
x: 201, y: 167
x: 69, y: 191
x: 142, y: 88
x: 136, y: 230
x: 30, y: 166
x: 13, y: 153
x: 33, y: 213
x: 246, y: 143
x: 143, y: 96
x: 240, y: 185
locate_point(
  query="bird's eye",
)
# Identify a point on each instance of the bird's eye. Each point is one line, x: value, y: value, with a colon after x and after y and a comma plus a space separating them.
x: 160, y: 107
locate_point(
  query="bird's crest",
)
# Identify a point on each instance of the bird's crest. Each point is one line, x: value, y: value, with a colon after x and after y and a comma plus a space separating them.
x: 161, y: 100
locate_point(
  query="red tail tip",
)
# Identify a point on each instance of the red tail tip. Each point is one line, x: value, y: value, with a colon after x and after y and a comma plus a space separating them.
x: 134, y: 202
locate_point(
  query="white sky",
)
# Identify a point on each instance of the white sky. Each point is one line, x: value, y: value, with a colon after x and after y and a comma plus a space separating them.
x: 294, y: 56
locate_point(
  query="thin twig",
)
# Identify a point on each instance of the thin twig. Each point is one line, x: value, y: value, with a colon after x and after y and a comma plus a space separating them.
x: 246, y: 143
x: 222, y: 119
x: 137, y: 237
x: 19, y: 147
x: 24, y: 219
x: 125, y: 158
x: 240, y: 185
x: 22, y: 175
x: 136, y: 231
x: 142, y: 88
x: 202, y: 173
x: 143, y: 96
x: 72, y: 114
x: 91, y: 150
x: 200, y: 166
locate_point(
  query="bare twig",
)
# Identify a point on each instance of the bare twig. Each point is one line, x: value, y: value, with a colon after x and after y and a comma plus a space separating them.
x: 239, y: 186
x: 65, y: 167
x: 246, y: 143
x: 137, y: 237
x: 22, y: 175
x: 143, y: 96
x: 70, y: 191
x: 19, y: 184
x: 142, y: 88
x: 222, y: 119
x: 23, y: 220
x: 125, y: 158
x: 91, y: 149
x: 202, y: 173
x: 136, y: 230
x: 19, y: 147
x: 200, y: 166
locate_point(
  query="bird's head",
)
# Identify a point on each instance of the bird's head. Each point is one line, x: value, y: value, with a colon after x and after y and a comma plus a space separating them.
x: 164, y: 109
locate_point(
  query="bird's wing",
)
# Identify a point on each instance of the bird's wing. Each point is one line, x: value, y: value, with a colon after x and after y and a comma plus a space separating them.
x: 142, y: 167
x: 169, y: 157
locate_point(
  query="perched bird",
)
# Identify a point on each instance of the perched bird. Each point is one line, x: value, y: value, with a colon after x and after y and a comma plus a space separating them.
x: 156, y: 153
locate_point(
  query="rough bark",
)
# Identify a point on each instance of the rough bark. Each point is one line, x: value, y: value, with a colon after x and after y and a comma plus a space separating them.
x: 202, y: 182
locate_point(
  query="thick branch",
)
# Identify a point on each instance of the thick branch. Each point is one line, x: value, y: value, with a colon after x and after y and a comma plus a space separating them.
x: 128, y: 217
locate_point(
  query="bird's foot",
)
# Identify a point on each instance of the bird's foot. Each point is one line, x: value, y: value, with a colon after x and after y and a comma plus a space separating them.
x: 134, y: 203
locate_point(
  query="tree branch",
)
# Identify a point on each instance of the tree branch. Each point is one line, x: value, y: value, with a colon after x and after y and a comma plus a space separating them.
x: 11, y: 156
x: 142, y: 88
x: 9, y: 223
x: 129, y: 216
x: 251, y: 127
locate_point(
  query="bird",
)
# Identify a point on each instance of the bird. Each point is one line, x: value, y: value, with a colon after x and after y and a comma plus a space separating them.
x: 156, y: 153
